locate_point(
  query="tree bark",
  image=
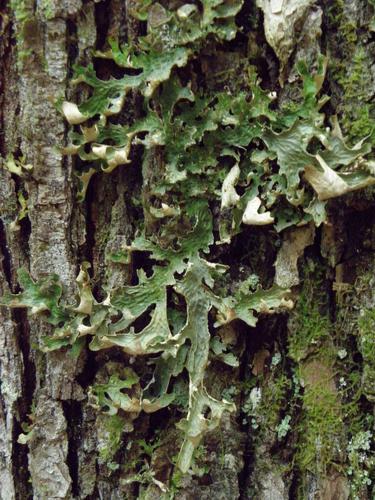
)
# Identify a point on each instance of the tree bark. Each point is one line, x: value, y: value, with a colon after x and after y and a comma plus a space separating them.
x: 313, y: 396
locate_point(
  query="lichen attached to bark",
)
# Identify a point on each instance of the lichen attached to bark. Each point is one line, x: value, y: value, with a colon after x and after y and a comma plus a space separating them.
x: 222, y: 161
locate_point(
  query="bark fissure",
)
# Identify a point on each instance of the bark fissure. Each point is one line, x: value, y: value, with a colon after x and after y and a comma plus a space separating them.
x: 248, y: 452
x: 102, y: 21
x: 71, y: 46
x: 5, y: 256
x: 29, y: 379
x: 73, y: 414
x: 20, y: 464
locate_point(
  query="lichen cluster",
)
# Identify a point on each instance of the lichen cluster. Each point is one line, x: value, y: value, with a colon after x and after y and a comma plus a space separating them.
x: 224, y: 159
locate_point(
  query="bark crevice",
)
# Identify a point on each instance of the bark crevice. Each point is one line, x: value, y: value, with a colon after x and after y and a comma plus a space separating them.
x: 6, y: 257
x: 73, y: 415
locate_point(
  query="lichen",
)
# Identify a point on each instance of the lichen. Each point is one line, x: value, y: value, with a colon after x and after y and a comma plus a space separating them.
x: 265, y: 405
x: 211, y: 151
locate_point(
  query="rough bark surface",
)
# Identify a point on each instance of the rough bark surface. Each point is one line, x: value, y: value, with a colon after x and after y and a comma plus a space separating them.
x: 331, y: 270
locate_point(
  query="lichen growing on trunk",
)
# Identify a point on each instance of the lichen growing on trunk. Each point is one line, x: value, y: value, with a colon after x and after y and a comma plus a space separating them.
x: 182, y: 169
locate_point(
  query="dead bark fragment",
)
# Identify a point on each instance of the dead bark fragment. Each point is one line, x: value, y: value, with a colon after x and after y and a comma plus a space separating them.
x: 294, y: 243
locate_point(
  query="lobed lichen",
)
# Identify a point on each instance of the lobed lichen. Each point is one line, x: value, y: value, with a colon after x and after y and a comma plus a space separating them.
x: 221, y: 161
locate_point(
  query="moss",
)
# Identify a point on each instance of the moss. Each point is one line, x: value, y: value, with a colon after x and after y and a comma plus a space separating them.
x: 364, y: 125
x: 349, y: 31
x: 312, y: 329
x: 346, y: 28
x: 27, y: 31
x: 114, y: 428
x: 176, y: 483
x: 335, y: 422
x: 21, y: 10
x: 321, y: 429
x: 309, y: 324
x: 356, y: 81
x: 366, y: 340
x: 356, y: 324
x: 47, y: 9
x: 274, y: 402
x: 334, y: 12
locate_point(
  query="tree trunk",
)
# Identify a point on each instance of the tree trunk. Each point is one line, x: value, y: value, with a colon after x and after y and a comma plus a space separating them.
x: 304, y: 386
